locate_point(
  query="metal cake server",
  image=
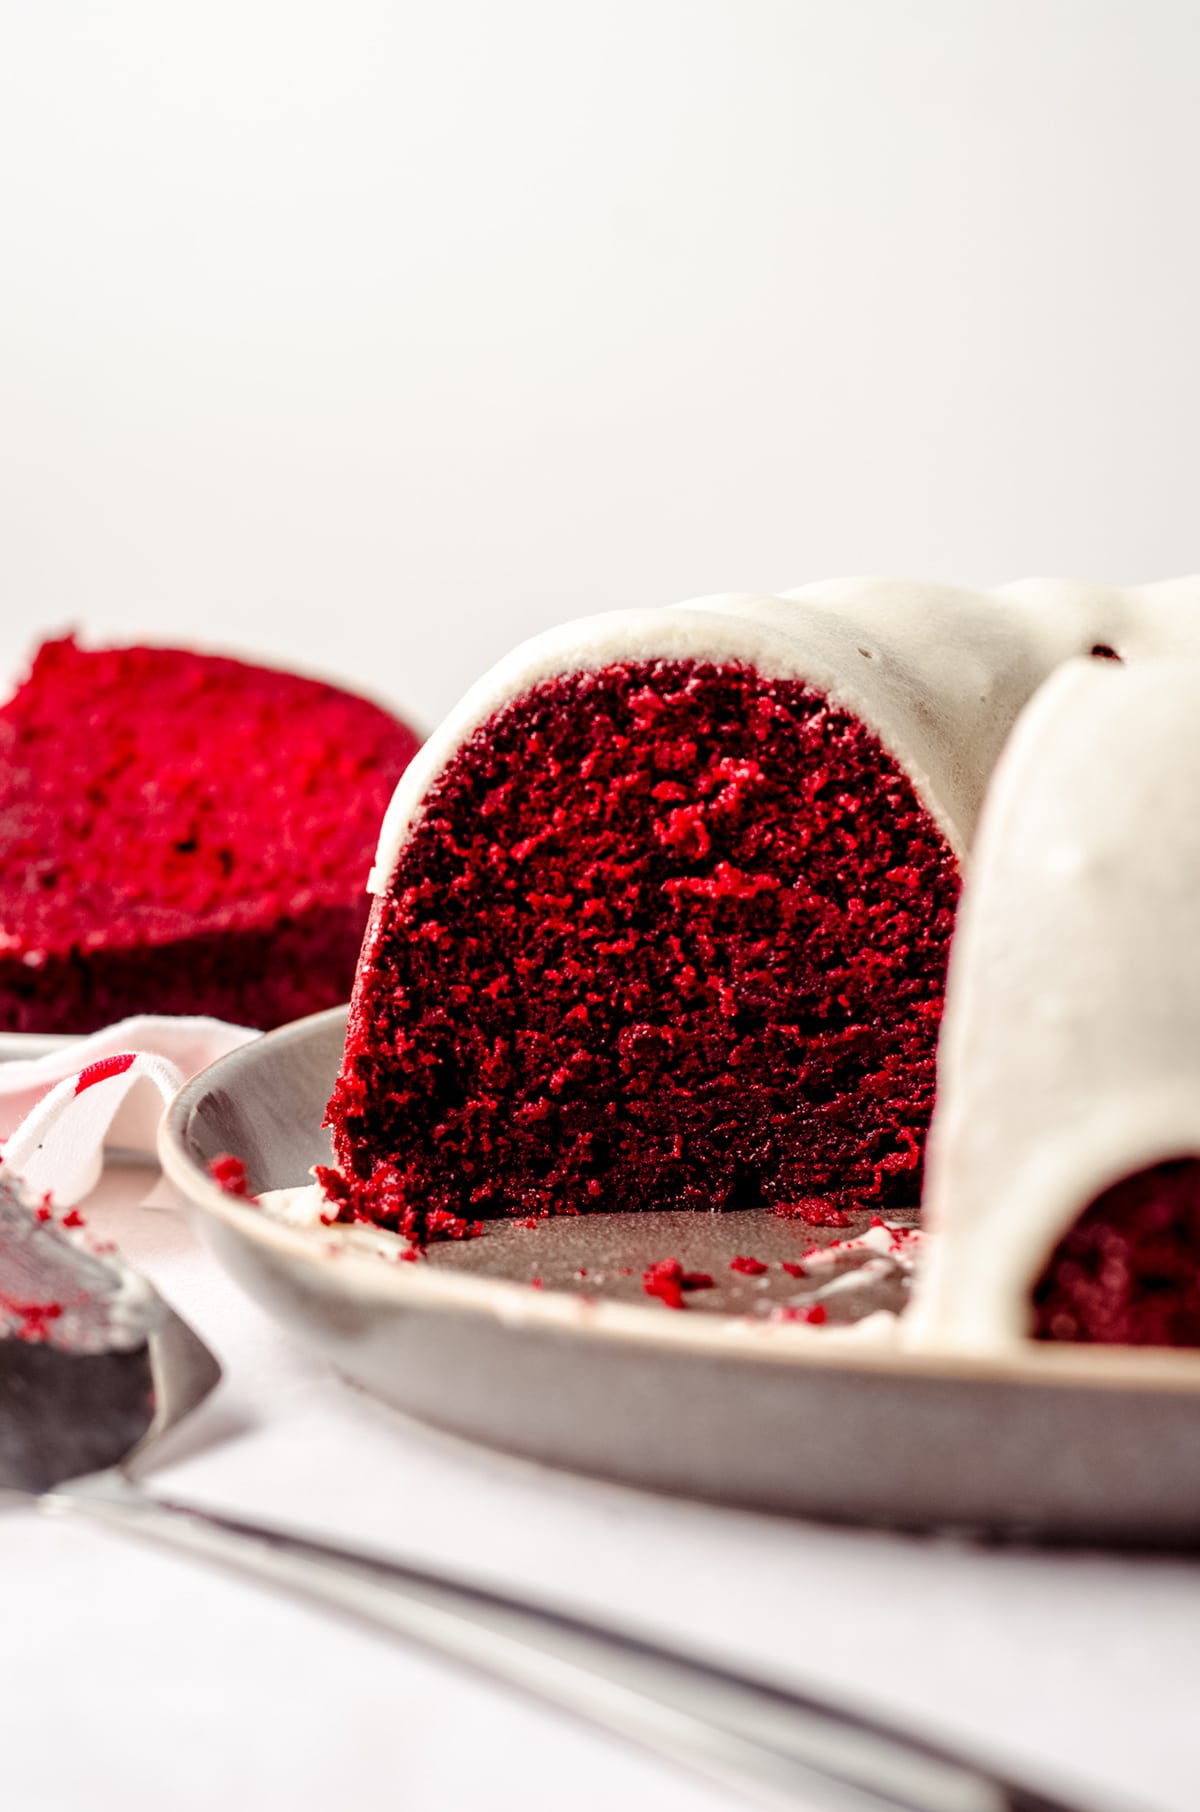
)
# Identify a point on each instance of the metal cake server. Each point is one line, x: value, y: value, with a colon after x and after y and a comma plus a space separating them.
x: 94, y: 1369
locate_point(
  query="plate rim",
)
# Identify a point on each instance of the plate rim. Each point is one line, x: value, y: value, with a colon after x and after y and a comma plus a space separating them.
x: 345, y: 1267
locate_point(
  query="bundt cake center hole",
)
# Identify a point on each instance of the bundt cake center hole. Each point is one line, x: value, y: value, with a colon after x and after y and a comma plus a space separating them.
x: 1128, y: 1269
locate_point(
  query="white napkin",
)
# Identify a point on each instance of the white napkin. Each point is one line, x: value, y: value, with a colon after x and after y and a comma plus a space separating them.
x: 58, y: 1112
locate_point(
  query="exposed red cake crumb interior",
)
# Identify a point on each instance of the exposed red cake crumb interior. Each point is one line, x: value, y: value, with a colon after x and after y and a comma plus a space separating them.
x: 1128, y: 1270
x: 665, y: 936
x: 183, y: 833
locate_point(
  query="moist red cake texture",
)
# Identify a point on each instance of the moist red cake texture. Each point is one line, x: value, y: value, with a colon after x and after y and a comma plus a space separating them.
x: 665, y: 935
x: 1128, y: 1270
x: 183, y: 833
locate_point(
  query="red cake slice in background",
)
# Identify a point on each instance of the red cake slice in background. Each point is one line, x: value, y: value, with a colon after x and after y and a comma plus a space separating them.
x: 183, y: 833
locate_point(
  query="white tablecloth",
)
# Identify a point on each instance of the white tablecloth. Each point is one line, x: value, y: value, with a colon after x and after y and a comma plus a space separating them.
x: 135, y: 1680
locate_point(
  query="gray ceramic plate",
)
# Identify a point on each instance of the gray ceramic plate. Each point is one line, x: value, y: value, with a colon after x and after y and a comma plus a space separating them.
x: 717, y: 1402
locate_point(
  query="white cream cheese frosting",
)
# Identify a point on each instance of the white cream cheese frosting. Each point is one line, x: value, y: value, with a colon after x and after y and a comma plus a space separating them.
x: 781, y: 640
x: 1070, y: 1046
x: 939, y: 674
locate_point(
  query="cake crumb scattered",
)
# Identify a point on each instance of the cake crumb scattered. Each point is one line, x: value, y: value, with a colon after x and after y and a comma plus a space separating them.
x: 229, y: 1174
x: 668, y: 1281
x: 814, y: 1211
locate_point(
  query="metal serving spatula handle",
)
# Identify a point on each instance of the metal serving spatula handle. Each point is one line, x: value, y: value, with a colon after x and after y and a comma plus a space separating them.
x: 775, y: 1746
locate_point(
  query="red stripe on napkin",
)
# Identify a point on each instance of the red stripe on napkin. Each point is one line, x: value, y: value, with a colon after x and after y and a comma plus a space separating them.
x: 104, y: 1068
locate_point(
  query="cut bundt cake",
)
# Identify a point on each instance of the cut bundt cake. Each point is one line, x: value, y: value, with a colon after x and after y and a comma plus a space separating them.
x: 183, y: 833
x: 1063, y: 1190
x: 663, y: 911
x: 662, y: 917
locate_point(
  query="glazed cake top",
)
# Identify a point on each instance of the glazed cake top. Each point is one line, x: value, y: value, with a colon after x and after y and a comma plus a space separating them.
x: 939, y: 674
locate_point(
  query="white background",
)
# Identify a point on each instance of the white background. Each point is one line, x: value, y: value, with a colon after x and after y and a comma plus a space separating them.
x: 375, y: 336
x: 379, y: 334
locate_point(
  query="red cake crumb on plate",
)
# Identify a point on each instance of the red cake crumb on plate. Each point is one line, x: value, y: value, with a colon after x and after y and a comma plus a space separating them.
x: 183, y: 833
x: 670, y: 1282
x: 229, y: 1174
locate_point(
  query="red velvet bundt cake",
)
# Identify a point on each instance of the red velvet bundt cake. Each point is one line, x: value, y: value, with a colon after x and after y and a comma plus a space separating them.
x: 662, y: 921
x: 183, y: 833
